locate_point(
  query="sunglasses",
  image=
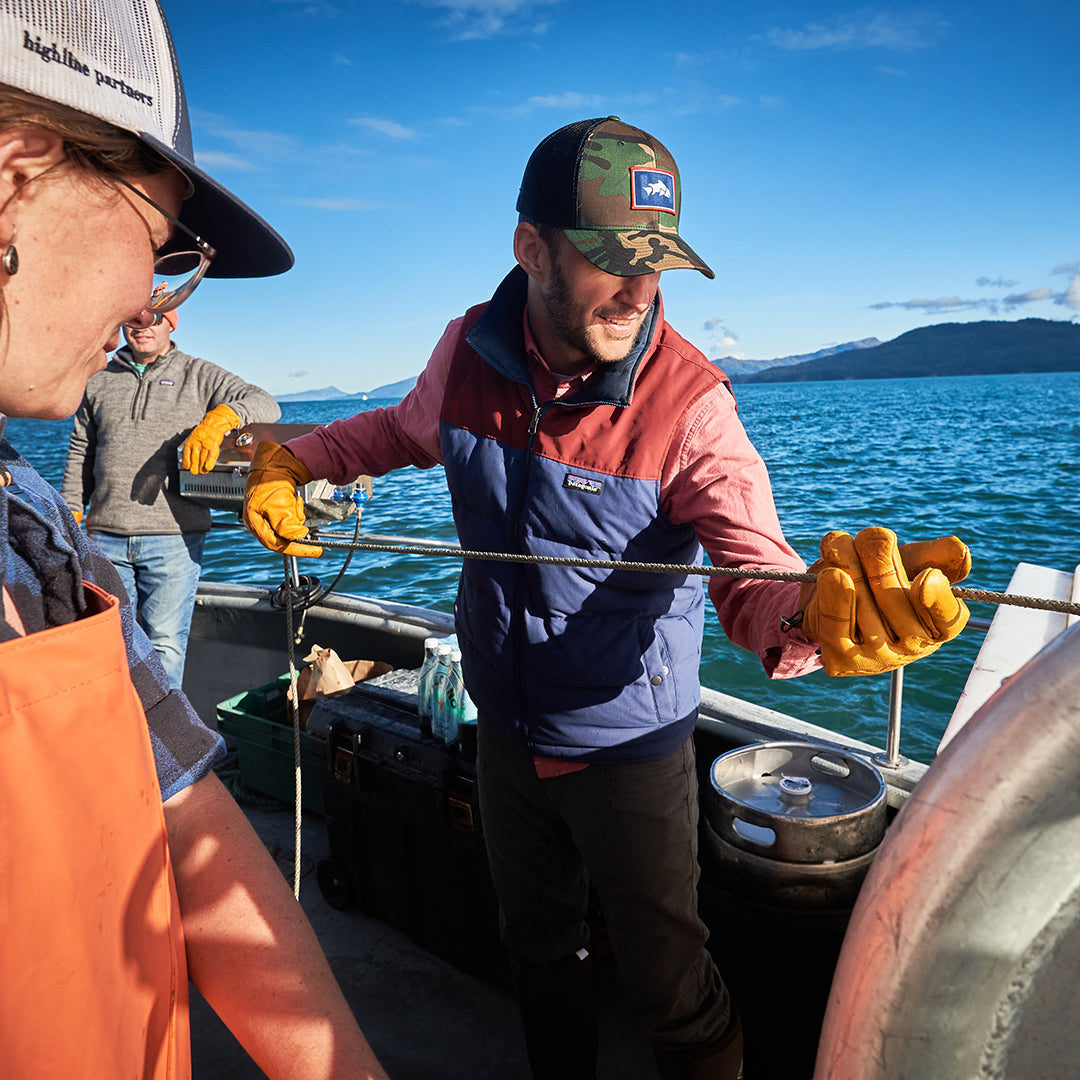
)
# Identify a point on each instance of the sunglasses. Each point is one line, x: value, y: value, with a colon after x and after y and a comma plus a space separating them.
x: 175, y: 275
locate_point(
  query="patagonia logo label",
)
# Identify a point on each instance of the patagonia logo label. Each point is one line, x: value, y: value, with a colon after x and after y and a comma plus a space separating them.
x: 652, y: 189
x: 166, y: 382
x: 583, y: 483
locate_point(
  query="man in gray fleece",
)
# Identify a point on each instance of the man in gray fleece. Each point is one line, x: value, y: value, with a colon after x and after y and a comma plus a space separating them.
x: 122, y: 461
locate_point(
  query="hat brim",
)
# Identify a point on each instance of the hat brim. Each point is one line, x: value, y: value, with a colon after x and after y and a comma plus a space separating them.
x: 635, y: 252
x: 246, y: 245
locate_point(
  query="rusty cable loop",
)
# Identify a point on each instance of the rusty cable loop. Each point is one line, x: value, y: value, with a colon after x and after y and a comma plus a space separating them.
x: 450, y: 551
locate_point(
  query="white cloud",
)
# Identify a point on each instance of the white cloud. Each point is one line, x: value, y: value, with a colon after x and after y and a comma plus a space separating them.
x: 880, y: 30
x: 1070, y: 298
x: 727, y: 346
x: 477, y: 20
x: 260, y: 145
x: 1066, y: 268
x: 940, y: 304
x: 568, y: 99
x: 390, y: 128
x: 1015, y: 300
x: 726, y: 343
x: 270, y: 144
x: 213, y: 159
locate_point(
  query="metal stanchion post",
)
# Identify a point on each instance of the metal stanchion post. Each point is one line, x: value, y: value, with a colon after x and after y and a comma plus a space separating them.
x: 892, y: 758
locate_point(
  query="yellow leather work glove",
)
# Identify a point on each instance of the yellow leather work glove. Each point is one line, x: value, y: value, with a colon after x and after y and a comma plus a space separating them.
x: 876, y: 606
x: 273, y: 510
x: 203, y: 444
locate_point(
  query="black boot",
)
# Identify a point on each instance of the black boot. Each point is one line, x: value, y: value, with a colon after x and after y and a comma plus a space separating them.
x: 558, y: 1012
x: 718, y: 1060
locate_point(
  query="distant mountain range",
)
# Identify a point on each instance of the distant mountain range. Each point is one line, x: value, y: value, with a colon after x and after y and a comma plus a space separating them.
x: 733, y: 366
x: 975, y: 348
x: 332, y: 393
x: 327, y: 393
x: 393, y: 390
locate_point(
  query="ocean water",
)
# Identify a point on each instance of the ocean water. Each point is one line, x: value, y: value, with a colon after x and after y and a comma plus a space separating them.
x: 993, y: 459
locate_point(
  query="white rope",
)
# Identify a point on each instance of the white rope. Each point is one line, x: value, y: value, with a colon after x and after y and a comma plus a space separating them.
x: 294, y: 698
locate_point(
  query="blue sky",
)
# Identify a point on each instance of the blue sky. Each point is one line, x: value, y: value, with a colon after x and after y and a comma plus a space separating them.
x: 848, y: 171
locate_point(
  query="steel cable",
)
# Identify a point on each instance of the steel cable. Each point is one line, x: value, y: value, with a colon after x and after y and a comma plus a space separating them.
x: 449, y: 551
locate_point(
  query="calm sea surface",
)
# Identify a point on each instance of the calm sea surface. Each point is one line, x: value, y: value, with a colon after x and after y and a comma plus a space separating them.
x: 994, y: 459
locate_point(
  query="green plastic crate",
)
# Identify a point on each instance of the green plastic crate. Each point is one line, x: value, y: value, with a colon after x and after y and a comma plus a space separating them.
x: 258, y: 725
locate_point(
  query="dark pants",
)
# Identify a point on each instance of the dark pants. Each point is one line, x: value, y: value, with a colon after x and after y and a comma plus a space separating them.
x: 632, y: 829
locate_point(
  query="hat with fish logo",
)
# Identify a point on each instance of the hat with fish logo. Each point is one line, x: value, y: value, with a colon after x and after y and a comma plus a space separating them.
x: 615, y: 192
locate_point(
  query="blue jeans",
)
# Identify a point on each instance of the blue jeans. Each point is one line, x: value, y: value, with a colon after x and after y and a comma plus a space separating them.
x: 161, y: 574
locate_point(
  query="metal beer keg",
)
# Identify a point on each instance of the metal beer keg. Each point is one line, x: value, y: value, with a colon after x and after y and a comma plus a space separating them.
x: 788, y: 833
x: 795, y: 823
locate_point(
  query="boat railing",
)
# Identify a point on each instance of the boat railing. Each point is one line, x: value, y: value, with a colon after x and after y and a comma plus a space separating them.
x: 1061, y: 608
x: 892, y: 758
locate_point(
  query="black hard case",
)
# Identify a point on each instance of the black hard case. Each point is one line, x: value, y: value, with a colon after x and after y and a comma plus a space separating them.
x: 404, y: 826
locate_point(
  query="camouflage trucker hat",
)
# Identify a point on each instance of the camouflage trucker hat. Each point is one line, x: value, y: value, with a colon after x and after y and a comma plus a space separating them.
x: 615, y: 192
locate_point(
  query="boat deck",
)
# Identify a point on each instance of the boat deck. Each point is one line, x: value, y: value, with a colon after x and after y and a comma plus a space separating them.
x: 425, y: 1019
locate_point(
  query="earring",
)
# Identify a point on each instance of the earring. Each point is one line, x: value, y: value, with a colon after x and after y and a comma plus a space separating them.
x: 10, y: 258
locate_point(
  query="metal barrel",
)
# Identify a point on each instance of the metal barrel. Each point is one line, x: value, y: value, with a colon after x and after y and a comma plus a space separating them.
x: 788, y: 833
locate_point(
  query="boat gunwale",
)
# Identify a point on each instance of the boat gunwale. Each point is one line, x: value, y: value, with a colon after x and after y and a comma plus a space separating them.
x: 722, y: 718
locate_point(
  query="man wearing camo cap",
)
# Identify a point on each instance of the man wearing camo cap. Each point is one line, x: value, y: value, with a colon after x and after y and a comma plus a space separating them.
x: 573, y: 421
x: 570, y: 416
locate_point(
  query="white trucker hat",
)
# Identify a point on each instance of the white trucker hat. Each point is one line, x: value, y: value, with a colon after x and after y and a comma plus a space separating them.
x: 115, y: 60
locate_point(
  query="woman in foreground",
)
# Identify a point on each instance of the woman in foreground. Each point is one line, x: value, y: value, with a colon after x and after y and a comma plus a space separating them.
x: 125, y: 867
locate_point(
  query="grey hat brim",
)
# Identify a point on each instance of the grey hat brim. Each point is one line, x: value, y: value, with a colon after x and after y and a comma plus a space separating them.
x: 246, y: 245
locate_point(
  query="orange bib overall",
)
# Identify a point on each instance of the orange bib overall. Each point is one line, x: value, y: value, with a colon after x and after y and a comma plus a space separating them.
x: 93, y: 978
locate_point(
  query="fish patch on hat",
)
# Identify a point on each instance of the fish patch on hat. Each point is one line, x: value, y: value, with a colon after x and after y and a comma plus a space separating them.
x: 652, y: 189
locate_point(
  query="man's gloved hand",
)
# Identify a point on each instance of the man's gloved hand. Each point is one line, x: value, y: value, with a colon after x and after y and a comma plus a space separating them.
x: 203, y: 444
x: 273, y: 510
x: 876, y: 606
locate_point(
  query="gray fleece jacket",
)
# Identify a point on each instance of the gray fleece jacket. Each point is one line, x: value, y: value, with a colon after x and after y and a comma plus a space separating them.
x: 122, y: 451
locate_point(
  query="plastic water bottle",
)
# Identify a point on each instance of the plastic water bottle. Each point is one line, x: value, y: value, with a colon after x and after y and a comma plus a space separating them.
x: 466, y: 710
x: 437, y: 696
x: 423, y: 689
x: 464, y: 716
x: 454, y: 707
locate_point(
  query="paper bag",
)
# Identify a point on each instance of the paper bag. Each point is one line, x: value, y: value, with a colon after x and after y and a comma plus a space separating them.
x: 329, y: 675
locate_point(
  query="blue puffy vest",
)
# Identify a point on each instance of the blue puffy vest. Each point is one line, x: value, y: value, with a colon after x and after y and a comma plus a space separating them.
x: 592, y: 664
